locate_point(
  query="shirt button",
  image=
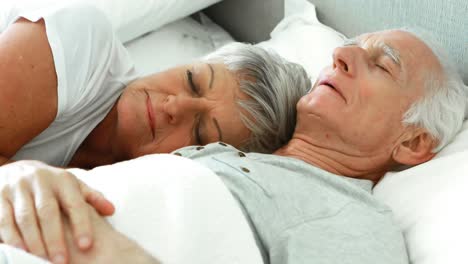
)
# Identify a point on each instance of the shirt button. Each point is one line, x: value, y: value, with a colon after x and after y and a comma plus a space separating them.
x: 222, y: 144
x: 241, y: 154
x: 245, y: 169
x: 199, y: 148
x: 177, y: 154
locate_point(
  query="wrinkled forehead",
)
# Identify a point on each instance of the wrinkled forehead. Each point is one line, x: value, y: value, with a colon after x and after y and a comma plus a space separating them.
x: 414, y: 55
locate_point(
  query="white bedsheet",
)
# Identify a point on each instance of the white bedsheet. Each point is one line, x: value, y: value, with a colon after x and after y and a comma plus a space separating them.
x: 176, y: 209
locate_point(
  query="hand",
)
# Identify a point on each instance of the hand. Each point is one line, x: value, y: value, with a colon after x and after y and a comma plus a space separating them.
x: 32, y: 197
x: 109, y: 245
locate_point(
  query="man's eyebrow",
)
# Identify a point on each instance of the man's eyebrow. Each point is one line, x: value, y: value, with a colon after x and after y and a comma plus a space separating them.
x: 392, y: 53
x: 350, y: 42
x: 220, y: 133
x: 212, y: 76
x: 387, y: 50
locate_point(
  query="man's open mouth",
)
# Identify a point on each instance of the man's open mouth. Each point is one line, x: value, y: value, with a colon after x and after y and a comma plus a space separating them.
x: 331, y: 85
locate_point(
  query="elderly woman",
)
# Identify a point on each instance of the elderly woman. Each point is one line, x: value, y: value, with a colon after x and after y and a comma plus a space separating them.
x: 70, y: 95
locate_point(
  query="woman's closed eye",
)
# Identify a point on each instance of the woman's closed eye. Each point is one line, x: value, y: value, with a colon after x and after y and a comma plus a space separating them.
x: 194, y: 88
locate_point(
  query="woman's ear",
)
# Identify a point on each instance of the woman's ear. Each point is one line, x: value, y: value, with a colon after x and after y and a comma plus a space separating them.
x: 415, y: 149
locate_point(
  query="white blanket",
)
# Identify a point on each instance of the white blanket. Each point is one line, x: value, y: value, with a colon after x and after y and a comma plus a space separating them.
x: 175, y: 208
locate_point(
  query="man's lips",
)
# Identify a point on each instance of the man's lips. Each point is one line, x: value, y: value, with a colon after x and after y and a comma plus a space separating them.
x: 332, y: 85
x: 149, y: 110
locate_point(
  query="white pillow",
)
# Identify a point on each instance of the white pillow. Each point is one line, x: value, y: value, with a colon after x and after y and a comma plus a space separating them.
x: 176, y: 43
x: 459, y: 143
x: 429, y: 204
x: 132, y: 19
x: 302, y: 39
x: 135, y: 18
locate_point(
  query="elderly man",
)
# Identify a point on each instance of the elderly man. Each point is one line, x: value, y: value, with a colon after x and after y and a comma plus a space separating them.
x: 387, y: 100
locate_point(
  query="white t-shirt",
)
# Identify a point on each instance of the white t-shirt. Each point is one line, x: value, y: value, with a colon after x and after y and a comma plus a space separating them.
x: 92, y: 69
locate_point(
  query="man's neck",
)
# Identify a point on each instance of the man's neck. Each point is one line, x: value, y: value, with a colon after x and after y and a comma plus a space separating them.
x: 336, y: 162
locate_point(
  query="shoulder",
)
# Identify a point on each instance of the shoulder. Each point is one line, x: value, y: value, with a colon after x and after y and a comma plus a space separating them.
x: 71, y: 18
x: 210, y: 150
x: 79, y: 18
x: 80, y: 13
x: 226, y: 160
x: 221, y: 158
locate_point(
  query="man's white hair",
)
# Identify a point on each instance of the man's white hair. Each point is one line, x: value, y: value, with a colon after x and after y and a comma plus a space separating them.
x: 441, y: 110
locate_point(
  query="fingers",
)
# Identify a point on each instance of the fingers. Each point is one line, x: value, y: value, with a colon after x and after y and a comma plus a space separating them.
x: 8, y: 230
x: 50, y: 222
x: 76, y: 208
x: 96, y: 199
x: 27, y: 223
x: 31, y: 217
x: 31, y: 198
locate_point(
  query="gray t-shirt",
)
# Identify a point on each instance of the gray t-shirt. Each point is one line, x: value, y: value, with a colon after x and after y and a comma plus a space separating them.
x: 302, y: 214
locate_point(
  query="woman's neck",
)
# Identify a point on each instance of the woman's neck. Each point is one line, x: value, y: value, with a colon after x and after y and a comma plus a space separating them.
x: 96, y: 149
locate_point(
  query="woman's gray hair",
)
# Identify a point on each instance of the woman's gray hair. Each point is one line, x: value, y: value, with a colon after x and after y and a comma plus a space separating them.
x: 274, y: 87
x: 441, y: 110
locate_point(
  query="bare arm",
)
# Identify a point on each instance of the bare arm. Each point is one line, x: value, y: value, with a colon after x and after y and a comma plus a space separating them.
x: 4, y: 160
x: 28, y: 85
x: 109, y: 246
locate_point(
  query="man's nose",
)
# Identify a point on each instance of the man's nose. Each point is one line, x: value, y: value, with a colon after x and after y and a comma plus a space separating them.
x: 179, y: 108
x: 347, y: 59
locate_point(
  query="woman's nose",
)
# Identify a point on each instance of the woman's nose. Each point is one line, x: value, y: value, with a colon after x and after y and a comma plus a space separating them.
x: 348, y: 59
x: 179, y: 108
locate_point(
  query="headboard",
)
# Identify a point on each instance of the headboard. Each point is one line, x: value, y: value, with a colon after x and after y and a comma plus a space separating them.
x: 252, y: 20
x: 248, y: 20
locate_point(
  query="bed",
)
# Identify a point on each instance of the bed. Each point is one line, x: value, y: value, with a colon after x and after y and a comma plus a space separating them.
x: 428, y: 200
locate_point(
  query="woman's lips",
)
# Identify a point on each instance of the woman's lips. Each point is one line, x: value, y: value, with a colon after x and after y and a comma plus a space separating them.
x: 149, y: 110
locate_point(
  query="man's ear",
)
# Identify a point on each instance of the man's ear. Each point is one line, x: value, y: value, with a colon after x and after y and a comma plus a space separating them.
x: 415, y: 149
